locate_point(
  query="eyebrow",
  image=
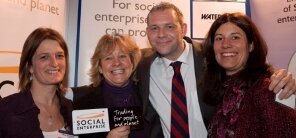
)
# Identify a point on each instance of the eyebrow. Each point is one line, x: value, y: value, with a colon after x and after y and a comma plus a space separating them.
x: 230, y: 34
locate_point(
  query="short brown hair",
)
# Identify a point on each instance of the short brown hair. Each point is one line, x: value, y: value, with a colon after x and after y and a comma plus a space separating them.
x: 164, y: 6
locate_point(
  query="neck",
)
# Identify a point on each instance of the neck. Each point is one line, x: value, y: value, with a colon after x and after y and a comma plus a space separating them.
x: 43, y: 95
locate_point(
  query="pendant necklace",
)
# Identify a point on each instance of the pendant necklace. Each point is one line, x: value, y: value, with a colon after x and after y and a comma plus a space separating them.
x: 50, y: 120
x: 49, y: 117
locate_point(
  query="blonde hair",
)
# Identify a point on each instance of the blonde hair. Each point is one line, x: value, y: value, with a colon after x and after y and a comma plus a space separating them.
x: 107, y: 44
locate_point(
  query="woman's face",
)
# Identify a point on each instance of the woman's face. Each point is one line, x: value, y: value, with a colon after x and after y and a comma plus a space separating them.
x: 116, y: 67
x: 48, y: 63
x: 231, y: 48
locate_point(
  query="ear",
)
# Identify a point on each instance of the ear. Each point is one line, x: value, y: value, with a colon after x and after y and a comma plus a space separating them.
x: 184, y: 29
x: 251, y: 47
x: 30, y: 68
x: 100, y: 69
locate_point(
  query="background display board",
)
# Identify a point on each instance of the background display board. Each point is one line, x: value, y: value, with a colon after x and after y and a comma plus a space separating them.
x: 18, y: 19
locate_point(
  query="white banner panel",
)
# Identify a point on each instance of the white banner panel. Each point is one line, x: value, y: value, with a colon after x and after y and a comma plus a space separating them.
x: 278, y: 26
x: 205, y: 12
x: 277, y: 23
x: 115, y: 16
x: 18, y: 19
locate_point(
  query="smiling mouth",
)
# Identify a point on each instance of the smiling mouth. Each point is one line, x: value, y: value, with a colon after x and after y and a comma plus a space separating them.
x: 53, y: 71
x: 119, y: 71
x: 230, y: 54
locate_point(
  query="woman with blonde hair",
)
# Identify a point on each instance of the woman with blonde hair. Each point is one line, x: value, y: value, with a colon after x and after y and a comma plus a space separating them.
x: 113, y: 83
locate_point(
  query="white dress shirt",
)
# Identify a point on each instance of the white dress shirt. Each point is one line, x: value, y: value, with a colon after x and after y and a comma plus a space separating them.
x: 161, y: 75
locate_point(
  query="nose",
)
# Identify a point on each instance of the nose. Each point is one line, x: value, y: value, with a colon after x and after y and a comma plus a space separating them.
x: 226, y: 43
x: 116, y: 61
x: 161, y: 32
x: 53, y: 61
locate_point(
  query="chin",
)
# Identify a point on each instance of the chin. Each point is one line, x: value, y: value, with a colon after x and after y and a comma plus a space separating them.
x: 56, y: 81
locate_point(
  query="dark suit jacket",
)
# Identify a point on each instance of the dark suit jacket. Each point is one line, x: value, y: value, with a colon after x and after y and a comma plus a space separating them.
x: 143, y: 74
x: 19, y: 115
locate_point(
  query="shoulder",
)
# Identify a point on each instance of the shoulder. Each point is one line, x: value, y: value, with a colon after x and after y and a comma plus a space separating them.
x: 268, y: 109
x: 20, y: 104
x: 85, y: 88
x: 260, y: 94
x: 148, y: 55
x: 87, y: 97
x: 82, y: 91
x: 12, y: 100
x: 197, y: 46
x: 261, y: 85
x: 147, y: 52
x: 65, y: 102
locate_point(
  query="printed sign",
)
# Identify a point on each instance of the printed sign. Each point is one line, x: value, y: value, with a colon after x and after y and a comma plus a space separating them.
x: 126, y: 116
x: 206, y: 12
x: 90, y: 121
x: 105, y: 119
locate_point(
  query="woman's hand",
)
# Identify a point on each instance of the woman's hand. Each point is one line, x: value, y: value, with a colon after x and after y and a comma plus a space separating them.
x: 119, y: 132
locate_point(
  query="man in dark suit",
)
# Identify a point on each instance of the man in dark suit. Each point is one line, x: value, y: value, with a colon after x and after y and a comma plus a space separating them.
x: 166, y: 30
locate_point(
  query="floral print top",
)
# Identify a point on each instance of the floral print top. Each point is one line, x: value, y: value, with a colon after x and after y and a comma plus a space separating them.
x: 251, y: 112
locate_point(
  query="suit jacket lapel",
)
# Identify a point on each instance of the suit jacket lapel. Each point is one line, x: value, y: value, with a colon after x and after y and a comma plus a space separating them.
x: 199, y: 65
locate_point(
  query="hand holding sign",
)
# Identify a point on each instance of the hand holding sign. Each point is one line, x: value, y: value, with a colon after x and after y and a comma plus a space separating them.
x: 121, y: 132
x: 104, y: 119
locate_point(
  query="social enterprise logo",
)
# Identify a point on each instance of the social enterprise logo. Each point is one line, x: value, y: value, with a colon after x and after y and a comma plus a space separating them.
x: 90, y: 121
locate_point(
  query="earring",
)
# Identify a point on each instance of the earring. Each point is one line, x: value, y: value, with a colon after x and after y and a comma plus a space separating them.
x: 251, y: 47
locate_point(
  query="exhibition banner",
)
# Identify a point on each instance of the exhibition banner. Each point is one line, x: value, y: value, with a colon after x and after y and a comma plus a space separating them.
x: 114, y: 16
x: 277, y: 23
x: 18, y: 19
x: 205, y: 12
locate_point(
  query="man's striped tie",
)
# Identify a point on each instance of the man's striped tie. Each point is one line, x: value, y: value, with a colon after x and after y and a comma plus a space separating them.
x: 179, y: 114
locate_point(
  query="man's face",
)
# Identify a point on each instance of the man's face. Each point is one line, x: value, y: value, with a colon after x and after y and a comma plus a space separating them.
x: 165, y: 33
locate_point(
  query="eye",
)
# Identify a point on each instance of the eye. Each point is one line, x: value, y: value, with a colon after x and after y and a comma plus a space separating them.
x: 43, y: 57
x: 60, y: 55
x: 153, y: 28
x: 108, y: 58
x: 235, y: 37
x: 170, y: 27
x: 218, y: 38
x: 122, y: 56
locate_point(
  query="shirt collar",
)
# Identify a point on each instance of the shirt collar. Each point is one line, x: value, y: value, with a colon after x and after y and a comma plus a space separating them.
x: 28, y: 102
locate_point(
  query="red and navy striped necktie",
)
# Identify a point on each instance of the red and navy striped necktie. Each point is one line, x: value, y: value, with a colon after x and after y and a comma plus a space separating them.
x: 179, y: 114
